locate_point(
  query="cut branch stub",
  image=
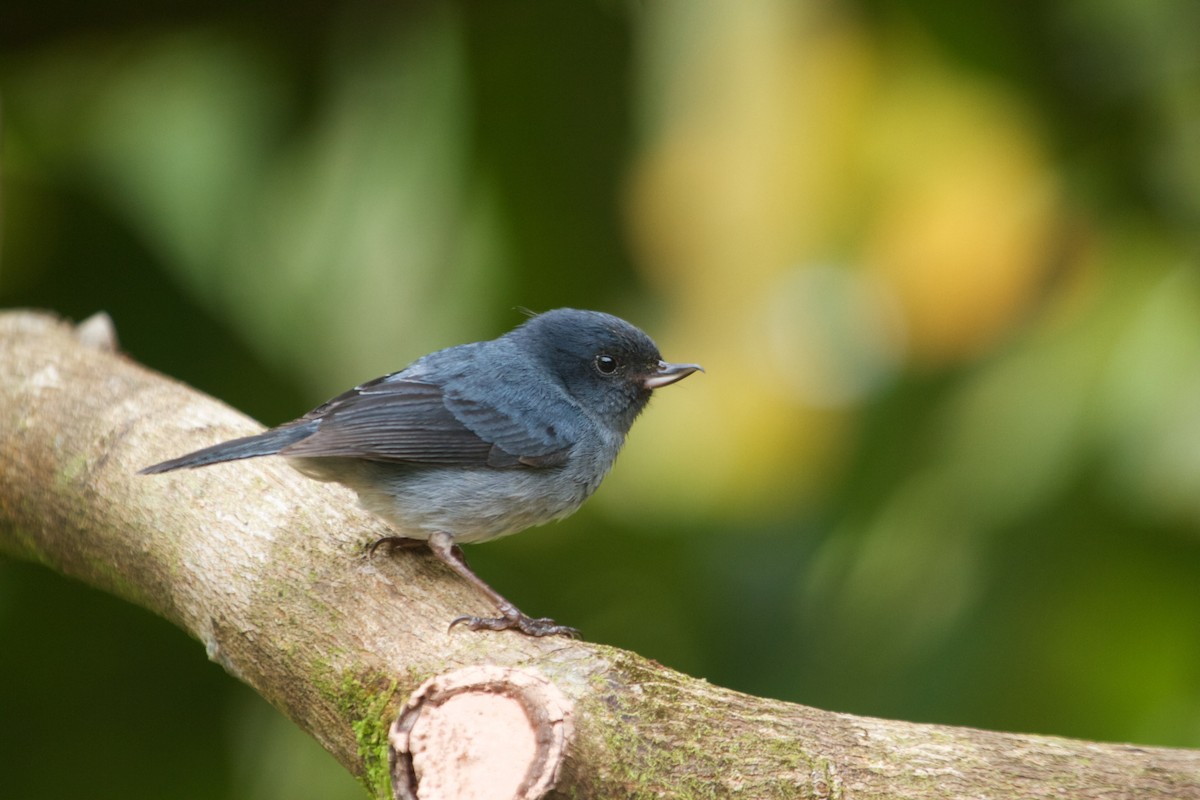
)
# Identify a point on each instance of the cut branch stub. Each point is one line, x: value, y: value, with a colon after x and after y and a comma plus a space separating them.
x: 480, y: 733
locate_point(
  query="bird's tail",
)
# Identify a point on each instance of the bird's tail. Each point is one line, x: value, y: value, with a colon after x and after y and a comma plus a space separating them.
x: 263, y: 444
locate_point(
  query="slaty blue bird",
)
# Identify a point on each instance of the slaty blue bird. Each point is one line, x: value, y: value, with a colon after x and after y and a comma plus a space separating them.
x: 477, y: 441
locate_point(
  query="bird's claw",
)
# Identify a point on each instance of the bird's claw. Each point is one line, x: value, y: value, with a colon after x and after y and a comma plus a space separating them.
x: 394, y: 543
x: 529, y: 626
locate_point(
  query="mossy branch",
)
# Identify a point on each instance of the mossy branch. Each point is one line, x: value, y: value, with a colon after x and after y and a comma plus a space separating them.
x: 270, y: 572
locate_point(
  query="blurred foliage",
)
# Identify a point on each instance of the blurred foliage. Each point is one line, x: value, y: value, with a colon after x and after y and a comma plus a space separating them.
x: 938, y: 258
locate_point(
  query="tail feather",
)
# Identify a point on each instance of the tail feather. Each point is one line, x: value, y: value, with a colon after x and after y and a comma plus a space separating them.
x: 262, y: 444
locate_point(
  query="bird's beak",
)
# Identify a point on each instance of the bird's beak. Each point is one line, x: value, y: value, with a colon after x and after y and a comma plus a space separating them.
x: 667, y: 374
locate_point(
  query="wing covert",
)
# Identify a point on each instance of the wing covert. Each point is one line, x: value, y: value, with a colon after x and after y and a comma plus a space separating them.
x: 410, y: 421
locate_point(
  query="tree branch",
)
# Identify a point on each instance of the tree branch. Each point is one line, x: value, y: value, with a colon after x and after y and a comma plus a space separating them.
x: 269, y: 570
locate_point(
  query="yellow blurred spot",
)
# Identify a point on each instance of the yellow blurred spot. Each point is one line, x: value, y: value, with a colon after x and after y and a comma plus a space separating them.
x: 966, y: 216
x: 751, y: 103
x: 779, y: 139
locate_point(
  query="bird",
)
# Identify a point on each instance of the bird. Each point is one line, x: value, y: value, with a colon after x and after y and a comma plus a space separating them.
x: 477, y: 441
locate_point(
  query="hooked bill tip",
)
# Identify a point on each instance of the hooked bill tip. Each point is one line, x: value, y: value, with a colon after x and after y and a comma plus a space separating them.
x: 669, y: 373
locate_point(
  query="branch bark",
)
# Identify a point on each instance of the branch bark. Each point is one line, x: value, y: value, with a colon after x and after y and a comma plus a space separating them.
x: 269, y: 570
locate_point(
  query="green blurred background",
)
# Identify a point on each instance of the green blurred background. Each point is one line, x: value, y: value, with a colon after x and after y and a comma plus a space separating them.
x: 939, y: 258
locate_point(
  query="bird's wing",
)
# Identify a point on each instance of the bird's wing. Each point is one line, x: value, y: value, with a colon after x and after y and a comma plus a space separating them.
x: 408, y: 421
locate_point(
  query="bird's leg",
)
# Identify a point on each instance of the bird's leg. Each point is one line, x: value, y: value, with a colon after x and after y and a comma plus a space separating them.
x: 442, y: 546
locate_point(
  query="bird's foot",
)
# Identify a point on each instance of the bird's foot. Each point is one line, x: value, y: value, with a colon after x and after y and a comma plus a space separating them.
x: 394, y: 543
x: 526, y: 625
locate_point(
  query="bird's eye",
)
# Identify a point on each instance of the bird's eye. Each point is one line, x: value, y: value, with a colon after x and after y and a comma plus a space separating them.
x: 606, y: 365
